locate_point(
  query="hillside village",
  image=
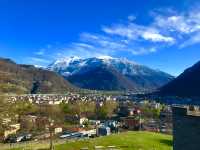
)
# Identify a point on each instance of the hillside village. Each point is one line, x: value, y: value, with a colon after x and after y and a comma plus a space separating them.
x: 99, y: 75
x: 76, y: 116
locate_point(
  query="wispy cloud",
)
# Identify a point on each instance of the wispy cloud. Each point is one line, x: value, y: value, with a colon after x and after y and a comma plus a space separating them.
x: 38, y: 61
x: 143, y: 51
x: 131, y: 17
x: 185, y: 26
x: 107, y: 45
x: 165, y: 28
x: 102, y: 41
x: 191, y: 41
x: 40, y: 52
x: 138, y: 32
x: 184, y: 23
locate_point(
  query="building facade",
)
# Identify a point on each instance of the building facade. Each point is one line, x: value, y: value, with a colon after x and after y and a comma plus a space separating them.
x: 186, y: 128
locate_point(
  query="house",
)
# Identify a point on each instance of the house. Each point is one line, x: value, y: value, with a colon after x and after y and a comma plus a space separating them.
x: 11, y: 129
x: 125, y: 111
x: 5, y: 121
x: 29, y: 122
x: 166, y: 121
x: 131, y: 122
x: 113, y: 125
x: 57, y: 130
x: 103, y: 131
x: 82, y: 120
x: 152, y: 125
x: 16, y: 126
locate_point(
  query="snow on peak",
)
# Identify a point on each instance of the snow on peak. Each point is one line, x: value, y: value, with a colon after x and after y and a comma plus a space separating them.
x: 105, y: 57
x: 126, y: 61
x: 39, y: 66
x: 67, y: 60
x: 71, y: 65
x: 63, y: 63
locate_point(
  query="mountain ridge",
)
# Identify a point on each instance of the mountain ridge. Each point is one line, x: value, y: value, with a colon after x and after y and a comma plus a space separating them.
x: 187, y: 84
x: 27, y: 79
x: 136, y: 77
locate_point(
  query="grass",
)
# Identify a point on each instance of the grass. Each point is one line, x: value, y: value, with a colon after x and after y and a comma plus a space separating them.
x: 123, y: 141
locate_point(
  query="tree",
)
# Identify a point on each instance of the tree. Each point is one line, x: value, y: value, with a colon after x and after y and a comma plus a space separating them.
x: 106, y: 110
x: 52, y: 112
x: 78, y: 108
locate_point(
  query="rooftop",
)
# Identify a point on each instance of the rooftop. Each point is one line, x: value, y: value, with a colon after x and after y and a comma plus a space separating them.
x: 187, y: 110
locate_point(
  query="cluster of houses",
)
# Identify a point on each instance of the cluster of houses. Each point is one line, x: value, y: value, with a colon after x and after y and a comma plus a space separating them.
x: 128, y: 116
x: 97, y: 128
x: 54, y: 99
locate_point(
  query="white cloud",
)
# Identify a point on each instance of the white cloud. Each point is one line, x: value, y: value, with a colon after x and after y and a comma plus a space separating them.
x: 173, y: 24
x: 108, y: 43
x: 193, y: 40
x: 40, y: 52
x: 131, y: 18
x: 156, y: 37
x: 137, y: 32
x: 36, y: 60
x: 164, y: 29
x: 167, y: 27
x: 43, y: 50
x: 83, y: 45
x: 102, y: 41
x: 143, y: 51
x: 185, y: 27
x: 83, y: 50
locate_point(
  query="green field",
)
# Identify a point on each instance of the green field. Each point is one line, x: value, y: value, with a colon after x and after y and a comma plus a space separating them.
x: 123, y: 141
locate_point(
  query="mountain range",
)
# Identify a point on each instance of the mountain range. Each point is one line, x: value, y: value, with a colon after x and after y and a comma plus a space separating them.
x: 185, y: 85
x: 27, y: 79
x: 107, y: 73
x: 103, y: 73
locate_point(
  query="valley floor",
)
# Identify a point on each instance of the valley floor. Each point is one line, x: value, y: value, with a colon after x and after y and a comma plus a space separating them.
x: 122, y: 141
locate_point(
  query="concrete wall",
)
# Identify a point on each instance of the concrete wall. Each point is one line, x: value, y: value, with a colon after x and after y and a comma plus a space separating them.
x: 186, y: 130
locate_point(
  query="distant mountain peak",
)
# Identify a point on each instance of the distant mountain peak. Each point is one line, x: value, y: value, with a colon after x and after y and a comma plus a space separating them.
x: 70, y: 65
x: 67, y: 60
x: 122, y: 73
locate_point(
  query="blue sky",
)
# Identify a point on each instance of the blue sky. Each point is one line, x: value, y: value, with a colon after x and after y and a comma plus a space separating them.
x: 162, y: 34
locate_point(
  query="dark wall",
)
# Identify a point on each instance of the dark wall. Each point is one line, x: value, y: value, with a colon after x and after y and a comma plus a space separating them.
x: 186, y: 130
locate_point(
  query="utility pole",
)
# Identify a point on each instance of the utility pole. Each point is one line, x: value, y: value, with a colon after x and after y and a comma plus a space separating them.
x: 140, y: 120
x: 51, y: 123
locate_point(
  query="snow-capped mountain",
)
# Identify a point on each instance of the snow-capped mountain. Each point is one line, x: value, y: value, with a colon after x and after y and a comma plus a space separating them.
x: 107, y: 73
x: 72, y: 65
